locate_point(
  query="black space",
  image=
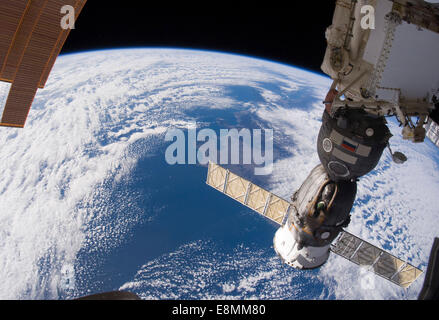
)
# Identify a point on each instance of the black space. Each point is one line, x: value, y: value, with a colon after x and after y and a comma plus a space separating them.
x: 289, y: 33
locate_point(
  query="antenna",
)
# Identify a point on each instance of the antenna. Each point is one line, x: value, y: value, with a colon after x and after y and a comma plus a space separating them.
x: 398, y: 157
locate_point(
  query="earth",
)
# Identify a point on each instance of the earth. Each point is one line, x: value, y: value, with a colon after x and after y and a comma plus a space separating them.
x: 89, y: 204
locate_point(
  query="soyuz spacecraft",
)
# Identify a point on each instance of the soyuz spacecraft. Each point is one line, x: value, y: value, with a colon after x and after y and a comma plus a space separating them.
x: 382, y: 57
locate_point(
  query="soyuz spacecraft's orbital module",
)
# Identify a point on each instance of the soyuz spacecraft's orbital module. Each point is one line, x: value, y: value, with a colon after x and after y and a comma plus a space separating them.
x: 351, y: 144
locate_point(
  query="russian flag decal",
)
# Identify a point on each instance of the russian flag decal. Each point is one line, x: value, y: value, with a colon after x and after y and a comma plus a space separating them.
x: 349, y: 146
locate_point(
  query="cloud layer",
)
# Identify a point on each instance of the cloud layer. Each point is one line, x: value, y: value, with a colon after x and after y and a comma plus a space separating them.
x: 83, y: 136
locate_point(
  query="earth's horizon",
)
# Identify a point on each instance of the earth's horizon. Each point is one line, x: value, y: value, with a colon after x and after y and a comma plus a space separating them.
x: 89, y: 204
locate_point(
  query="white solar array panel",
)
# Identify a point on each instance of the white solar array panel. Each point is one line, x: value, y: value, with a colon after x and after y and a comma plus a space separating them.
x: 377, y: 260
x: 433, y: 132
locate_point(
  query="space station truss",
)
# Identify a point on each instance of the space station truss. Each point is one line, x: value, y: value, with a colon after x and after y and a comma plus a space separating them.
x: 375, y: 259
x: 247, y: 193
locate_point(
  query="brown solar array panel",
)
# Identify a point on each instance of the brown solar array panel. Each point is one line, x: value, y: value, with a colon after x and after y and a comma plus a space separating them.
x: 31, y: 38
